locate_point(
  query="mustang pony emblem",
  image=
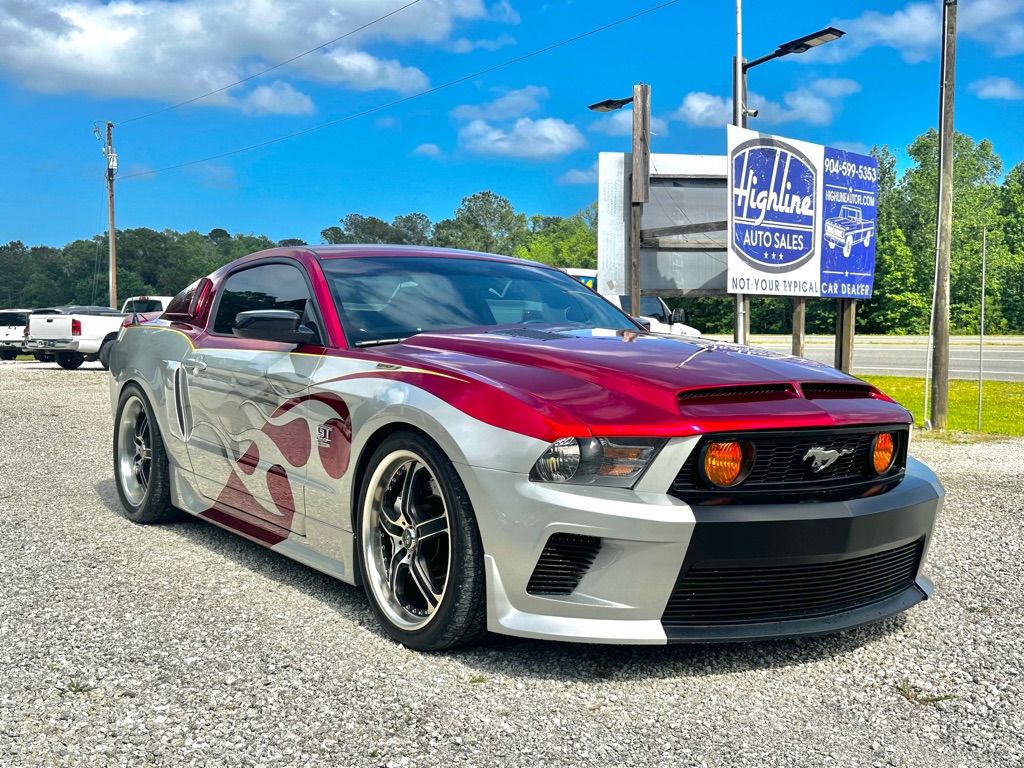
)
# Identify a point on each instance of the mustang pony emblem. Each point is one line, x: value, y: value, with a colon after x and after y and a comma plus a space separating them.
x: 824, y: 458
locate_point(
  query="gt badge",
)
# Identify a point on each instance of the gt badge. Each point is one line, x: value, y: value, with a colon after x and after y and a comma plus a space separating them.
x: 824, y: 458
x: 323, y: 435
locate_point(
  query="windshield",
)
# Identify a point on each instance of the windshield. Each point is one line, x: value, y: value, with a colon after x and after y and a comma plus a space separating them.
x: 384, y: 299
x: 13, y: 318
x: 144, y: 305
x: 649, y: 307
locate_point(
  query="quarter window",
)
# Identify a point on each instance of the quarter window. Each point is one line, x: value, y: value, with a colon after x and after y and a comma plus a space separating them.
x: 267, y: 286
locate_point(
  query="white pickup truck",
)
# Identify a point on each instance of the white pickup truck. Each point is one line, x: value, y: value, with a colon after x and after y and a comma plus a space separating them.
x: 75, y: 334
x: 12, y: 332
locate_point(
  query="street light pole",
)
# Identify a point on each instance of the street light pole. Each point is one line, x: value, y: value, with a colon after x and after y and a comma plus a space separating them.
x: 739, y: 119
x: 741, y: 334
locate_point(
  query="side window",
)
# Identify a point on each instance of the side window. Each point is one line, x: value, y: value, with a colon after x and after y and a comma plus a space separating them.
x: 267, y: 286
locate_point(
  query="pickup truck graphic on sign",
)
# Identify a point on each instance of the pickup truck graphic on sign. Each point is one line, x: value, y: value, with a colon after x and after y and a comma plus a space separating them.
x: 848, y: 228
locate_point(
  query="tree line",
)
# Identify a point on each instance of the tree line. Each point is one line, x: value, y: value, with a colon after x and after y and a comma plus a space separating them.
x: 162, y: 263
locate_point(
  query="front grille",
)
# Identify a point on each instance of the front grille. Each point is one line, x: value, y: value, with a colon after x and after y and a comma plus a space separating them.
x: 564, y: 561
x: 736, y: 594
x: 781, y: 473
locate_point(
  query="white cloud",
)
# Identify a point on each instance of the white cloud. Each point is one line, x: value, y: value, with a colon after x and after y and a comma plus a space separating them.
x: 542, y: 139
x: 173, y: 51
x: 620, y: 123
x: 815, y: 103
x: 915, y: 30
x: 704, y: 110
x: 504, y: 12
x: 576, y: 176
x: 912, y: 30
x: 997, y: 88
x: 512, y: 104
x: 465, y: 45
x: 278, y: 98
x: 427, y: 150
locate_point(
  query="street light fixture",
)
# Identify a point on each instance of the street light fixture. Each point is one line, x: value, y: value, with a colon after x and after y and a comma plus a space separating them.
x: 610, y: 105
x: 800, y: 45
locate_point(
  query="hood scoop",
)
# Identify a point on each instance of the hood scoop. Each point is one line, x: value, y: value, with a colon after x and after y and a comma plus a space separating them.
x: 750, y: 393
x: 529, y: 333
x: 838, y: 391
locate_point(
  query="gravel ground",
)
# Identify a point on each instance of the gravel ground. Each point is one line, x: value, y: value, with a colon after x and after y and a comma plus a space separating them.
x: 184, y: 645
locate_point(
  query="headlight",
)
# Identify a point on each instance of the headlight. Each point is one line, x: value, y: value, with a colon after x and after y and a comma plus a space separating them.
x: 610, y: 461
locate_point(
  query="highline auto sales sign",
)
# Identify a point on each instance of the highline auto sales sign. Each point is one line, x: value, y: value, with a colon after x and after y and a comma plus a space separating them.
x: 802, y: 218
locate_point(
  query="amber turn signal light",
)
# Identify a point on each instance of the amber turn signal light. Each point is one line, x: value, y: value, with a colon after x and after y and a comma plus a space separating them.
x: 883, y: 452
x: 723, y: 463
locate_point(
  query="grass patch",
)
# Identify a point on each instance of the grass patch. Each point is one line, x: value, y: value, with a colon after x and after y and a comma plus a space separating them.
x: 1002, y: 405
x: 913, y: 694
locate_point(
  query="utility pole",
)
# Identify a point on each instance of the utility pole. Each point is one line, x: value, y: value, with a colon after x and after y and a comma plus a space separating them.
x: 640, y: 184
x: 940, y: 307
x: 111, y: 155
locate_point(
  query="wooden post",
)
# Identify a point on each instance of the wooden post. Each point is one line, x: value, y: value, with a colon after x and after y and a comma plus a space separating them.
x: 799, y: 313
x: 940, y: 310
x: 846, y: 315
x: 640, y: 185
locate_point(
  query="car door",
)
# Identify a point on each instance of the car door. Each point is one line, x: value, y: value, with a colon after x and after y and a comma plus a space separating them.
x: 250, y: 440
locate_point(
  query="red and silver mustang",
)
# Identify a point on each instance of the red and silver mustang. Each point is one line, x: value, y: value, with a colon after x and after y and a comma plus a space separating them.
x: 485, y: 444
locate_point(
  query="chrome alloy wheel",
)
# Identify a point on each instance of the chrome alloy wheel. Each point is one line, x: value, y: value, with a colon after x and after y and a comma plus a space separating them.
x: 134, y: 451
x: 406, y: 540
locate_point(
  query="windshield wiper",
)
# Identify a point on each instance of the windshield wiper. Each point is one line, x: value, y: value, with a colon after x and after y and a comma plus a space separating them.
x: 378, y: 342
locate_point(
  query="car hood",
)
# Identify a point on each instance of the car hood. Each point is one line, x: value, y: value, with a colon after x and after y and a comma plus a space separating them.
x: 625, y: 382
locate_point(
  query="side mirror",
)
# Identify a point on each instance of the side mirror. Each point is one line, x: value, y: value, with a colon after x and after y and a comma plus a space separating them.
x: 272, y: 325
x: 644, y: 322
x: 679, y: 316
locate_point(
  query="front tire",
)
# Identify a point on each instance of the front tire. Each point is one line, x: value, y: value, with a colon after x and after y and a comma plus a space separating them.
x: 419, y: 549
x: 848, y: 246
x: 140, y: 461
x: 69, y: 361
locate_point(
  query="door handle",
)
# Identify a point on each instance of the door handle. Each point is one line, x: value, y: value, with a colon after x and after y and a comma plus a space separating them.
x: 194, y: 365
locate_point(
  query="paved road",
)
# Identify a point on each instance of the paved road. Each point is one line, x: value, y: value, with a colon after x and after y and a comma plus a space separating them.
x: 908, y: 356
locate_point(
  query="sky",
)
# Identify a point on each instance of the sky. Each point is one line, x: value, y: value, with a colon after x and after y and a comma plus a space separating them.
x: 413, y: 112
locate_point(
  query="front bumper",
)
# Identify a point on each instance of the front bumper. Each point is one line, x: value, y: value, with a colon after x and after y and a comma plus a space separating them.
x: 640, y: 587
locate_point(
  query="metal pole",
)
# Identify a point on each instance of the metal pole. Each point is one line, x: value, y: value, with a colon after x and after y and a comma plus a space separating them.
x: 111, y: 168
x: 981, y: 338
x: 739, y: 99
x: 940, y: 307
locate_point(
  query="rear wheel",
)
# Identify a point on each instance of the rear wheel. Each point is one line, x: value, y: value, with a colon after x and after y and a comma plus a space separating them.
x: 69, y: 361
x: 104, y: 354
x: 419, y: 549
x: 140, y: 461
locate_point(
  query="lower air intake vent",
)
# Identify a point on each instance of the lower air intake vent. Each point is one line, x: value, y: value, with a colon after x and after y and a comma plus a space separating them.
x: 564, y: 561
x: 729, y: 593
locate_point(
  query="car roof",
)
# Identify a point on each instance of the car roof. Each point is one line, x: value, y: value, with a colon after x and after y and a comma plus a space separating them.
x: 406, y: 251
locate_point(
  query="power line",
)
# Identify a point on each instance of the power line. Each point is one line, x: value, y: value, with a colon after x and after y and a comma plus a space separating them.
x: 396, y: 102
x: 270, y: 69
